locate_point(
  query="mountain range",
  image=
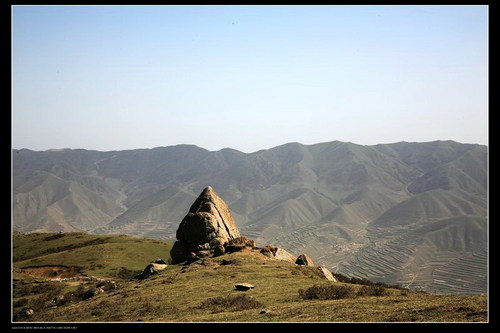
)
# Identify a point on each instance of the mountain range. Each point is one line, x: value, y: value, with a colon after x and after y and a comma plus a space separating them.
x: 408, y: 213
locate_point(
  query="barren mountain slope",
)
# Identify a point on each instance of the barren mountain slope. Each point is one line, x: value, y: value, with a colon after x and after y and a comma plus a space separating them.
x: 332, y: 200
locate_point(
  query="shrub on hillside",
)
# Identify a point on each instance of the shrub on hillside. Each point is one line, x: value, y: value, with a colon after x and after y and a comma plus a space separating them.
x: 37, y: 289
x: 372, y: 290
x: 54, y: 237
x: 232, y: 303
x: 366, y: 282
x: 327, y: 292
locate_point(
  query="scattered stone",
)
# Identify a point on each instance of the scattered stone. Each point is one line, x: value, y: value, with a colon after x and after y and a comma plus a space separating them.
x: 304, y: 260
x: 191, y: 257
x: 207, y: 222
x: 269, y: 250
x: 55, y: 302
x: 24, y: 313
x: 151, y: 269
x: 204, y: 253
x: 242, y: 240
x: 326, y: 273
x: 239, y: 243
x: 160, y: 261
x: 219, y: 250
x: 234, y: 248
x: 202, y: 247
x: 243, y: 286
x: 264, y: 311
x: 108, y: 286
x: 217, y: 241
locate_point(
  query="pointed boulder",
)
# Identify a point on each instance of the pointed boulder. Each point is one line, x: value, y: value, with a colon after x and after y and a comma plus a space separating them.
x: 304, y: 260
x: 208, y: 224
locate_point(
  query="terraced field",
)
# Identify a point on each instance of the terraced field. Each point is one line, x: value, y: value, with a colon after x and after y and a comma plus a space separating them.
x: 436, y: 255
x: 466, y: 274
x: 406, y: 258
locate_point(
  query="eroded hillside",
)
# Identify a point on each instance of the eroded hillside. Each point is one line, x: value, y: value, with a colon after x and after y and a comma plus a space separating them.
x: 412, y: 213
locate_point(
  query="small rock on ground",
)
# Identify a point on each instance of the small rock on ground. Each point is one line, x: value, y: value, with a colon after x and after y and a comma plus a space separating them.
x: 243, y: 286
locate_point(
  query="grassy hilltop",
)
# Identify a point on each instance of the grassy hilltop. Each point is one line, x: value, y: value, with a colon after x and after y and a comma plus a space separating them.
x: 203, y: 291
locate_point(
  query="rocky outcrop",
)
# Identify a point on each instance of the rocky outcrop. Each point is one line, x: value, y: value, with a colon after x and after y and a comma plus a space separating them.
x: 209, y: 230
x: 151, y: 269
x: 278, y: 253
x: 326, y: 273
x: 239, y: 244
x: 207, y: 225
x: 304, y: 260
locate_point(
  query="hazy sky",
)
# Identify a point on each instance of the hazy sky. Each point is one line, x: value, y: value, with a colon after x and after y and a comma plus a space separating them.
x: 247, y: 77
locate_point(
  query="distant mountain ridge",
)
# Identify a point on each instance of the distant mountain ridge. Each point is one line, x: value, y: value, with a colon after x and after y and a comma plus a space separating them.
x: 418, y: 208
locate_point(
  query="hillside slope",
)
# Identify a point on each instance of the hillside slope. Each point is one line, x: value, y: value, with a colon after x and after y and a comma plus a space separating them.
x: 329, y: 199
x: 205, y: 290
x: 91, y: 255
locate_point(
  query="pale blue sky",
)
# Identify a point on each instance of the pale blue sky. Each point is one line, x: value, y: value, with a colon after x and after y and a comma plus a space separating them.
x: 247, y: 77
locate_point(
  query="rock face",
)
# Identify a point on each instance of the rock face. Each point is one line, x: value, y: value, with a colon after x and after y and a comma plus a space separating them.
x: 304, y: 260
x: 207, y: 225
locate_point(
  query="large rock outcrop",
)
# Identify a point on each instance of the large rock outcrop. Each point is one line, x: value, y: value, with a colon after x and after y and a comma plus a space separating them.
x: 208, y: 225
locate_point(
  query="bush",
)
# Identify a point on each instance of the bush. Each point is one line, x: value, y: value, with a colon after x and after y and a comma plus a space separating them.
x: 53, y: 237
x: 372, y: 290
x: 40, y: 302
x: 327, y: 292
x: 37, y: 289
x: 234, y: 303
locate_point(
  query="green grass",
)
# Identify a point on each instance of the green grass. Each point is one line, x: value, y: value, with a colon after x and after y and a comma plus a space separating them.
x: 98, y: 255
x: 204, y: 292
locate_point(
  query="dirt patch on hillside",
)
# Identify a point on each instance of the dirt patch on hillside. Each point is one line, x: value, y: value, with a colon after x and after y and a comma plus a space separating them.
x: 51, y: 271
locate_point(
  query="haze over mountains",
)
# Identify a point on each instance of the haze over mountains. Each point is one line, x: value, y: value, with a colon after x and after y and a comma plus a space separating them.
x: 410, y: 213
